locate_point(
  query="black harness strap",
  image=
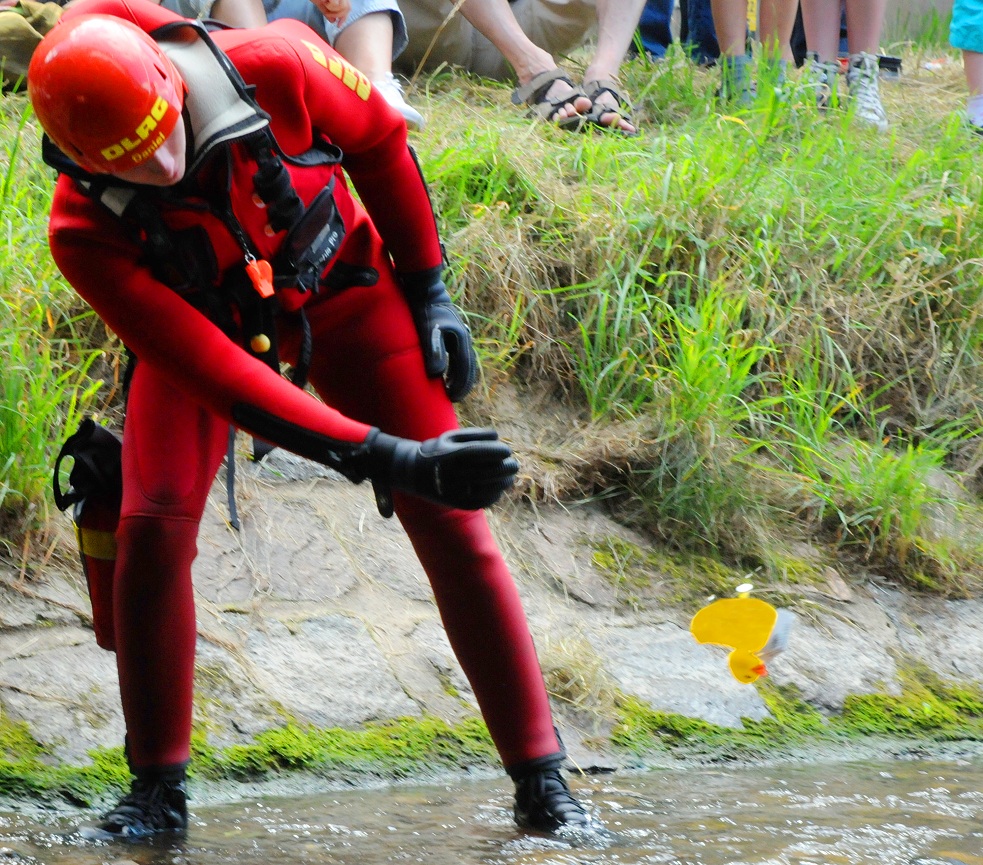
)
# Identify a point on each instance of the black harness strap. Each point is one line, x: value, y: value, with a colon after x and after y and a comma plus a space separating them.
x: 272, y: 181
x: 303, y: 367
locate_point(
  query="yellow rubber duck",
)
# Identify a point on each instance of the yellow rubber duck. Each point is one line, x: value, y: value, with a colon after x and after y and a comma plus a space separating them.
x: 753, y: 629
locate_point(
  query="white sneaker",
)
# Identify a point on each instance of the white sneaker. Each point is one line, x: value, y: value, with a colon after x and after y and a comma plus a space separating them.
x: 392, y: 90
x: 861, y: 78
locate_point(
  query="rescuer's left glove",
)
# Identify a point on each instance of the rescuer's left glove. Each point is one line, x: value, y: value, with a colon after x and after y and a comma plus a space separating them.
x: 444, y: 337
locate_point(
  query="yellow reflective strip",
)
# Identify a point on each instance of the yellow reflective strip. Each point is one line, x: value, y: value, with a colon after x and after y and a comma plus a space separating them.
x: 316, y: 53
x: 97, y: 544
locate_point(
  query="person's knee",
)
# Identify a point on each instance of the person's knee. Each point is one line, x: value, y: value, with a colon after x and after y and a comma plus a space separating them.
x: 433, y: 38
x: 557, y: 26
x: 170, y: 483
x: 141, y: 539
x: 239, y: 13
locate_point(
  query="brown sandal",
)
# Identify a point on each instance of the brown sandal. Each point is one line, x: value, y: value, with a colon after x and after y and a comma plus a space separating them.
x: 595, y: 90
x: 534, y: 93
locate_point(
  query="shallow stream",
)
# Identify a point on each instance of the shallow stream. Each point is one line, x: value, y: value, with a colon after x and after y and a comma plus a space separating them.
x: 889, y: 813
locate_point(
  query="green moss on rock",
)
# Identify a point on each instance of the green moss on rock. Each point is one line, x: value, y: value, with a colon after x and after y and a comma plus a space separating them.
x: 792, y: 569
x: 679, y: 578
x: 16, y: 742
x: 928, y: 705
x: 395, y: 748
x: 641, y: 729
x: 27, y: 770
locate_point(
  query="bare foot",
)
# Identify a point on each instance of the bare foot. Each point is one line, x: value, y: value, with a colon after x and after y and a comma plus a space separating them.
x: 609, y: 105
x: 557, y: 92
x: 609, y: 114
x: 553, y: 97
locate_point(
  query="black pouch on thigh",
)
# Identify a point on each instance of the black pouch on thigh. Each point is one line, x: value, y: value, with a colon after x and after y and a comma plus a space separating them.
x: 96, y: 491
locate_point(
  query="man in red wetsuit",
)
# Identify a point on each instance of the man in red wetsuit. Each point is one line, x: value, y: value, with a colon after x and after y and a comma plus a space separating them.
x: 188, y: 201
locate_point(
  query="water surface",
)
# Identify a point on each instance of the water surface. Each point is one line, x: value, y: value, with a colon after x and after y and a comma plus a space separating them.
x: 890, y: 813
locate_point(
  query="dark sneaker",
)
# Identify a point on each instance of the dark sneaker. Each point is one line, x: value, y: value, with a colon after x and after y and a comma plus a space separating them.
x: 736, y: 84
x: 543, y: 801
x: 151, y: 806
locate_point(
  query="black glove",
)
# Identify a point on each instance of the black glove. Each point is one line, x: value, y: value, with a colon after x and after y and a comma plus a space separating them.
x: 444, y: 337
x: 465, y: 468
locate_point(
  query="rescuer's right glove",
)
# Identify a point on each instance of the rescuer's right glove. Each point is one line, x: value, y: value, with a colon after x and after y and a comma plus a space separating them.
x: 464, y: 468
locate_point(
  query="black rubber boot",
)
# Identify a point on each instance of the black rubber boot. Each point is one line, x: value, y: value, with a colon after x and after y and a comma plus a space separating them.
x: 157, y: 802
x: 543, y: 800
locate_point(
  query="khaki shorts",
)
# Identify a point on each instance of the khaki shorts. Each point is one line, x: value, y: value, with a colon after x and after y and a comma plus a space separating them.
x: 558, y: 26
x: 22, y: 28
x: 190, y: 8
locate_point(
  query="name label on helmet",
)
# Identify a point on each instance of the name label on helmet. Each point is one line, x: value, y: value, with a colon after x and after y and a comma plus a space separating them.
x: 140, y: 135
x: 340, y: 68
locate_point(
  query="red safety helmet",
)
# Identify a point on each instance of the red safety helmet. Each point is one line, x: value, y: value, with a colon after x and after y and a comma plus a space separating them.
x: 104, y: 92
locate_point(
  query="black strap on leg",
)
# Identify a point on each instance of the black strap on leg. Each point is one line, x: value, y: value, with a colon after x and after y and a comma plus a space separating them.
x: 230, y: 479
x: 518, y: 771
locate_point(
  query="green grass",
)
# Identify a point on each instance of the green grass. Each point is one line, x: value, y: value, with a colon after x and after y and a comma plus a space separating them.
x: 45, y: 335
x: 787, y: 306
x: 771, y: 317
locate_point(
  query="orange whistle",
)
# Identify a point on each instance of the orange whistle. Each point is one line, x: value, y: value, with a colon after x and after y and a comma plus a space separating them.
x: 260, y: 274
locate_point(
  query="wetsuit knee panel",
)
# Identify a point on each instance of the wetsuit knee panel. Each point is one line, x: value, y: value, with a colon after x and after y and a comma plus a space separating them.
x: 168, y: 472
x: 159, y: 481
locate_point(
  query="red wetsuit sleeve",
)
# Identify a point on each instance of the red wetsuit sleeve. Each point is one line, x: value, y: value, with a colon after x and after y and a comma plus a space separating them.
x: 163, y: 329
x: 339, y: 102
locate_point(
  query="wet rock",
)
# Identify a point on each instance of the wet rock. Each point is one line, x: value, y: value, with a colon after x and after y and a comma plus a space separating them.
x: 64, y: 687
x: 329, y: 672
x: 667, y: 668
x: 834, y: 652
